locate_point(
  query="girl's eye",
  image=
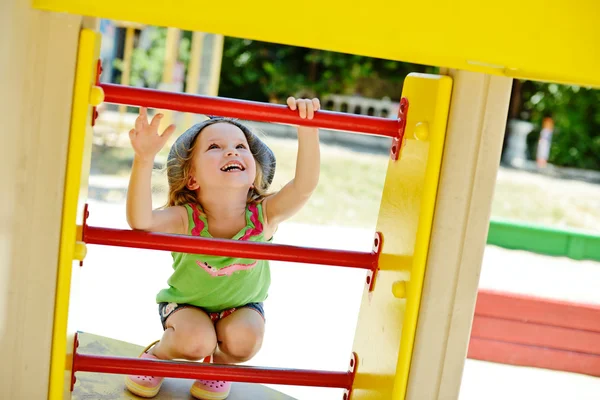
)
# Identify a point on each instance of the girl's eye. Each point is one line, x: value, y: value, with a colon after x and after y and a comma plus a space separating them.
x: 213, y: 146
x: 240, y: 146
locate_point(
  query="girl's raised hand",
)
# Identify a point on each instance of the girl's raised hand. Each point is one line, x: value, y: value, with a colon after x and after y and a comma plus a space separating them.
x: 145, y: 140
x: 306, y: 107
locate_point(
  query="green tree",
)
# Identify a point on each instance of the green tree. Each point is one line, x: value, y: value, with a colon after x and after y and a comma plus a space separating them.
x: 271, y: 72
x: 576, y: 113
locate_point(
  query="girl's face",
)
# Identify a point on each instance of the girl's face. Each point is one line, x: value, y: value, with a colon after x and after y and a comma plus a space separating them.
x: 222, y: 158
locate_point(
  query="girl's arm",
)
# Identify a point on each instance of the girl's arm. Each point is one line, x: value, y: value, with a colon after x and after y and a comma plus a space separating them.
x: 146, y: 143
x: 293, y: 196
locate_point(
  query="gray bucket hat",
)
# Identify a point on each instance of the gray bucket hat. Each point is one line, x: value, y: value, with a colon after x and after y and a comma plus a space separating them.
x: 258, y: 148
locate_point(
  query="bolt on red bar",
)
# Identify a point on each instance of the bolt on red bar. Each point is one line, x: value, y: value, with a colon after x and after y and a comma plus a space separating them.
x: 228, y: 248
x: 250, y: 110
x: 189, y: 370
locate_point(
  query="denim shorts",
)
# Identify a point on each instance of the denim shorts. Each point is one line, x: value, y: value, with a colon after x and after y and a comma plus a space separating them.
x: 165, y: 310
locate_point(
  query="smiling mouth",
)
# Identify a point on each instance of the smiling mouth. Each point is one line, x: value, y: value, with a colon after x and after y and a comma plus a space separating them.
x: 233, y: 167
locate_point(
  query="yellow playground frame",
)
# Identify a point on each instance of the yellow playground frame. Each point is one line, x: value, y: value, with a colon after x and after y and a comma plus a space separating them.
x: 435, y: 207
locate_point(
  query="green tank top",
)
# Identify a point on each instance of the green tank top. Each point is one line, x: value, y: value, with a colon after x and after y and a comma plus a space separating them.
x: 217, y: 283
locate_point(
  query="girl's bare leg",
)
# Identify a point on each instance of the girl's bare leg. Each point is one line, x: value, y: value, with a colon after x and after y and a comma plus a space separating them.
x: 190, y: 335
x: 240, y: 336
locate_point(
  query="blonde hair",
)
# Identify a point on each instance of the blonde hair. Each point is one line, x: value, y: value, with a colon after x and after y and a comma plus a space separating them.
x: 179, y: 165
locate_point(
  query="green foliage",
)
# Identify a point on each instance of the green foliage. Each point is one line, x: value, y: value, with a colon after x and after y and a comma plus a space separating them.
x: 576, y: 113
x: 148, y: 56
x: 147, y: 59
x: 271, y: 72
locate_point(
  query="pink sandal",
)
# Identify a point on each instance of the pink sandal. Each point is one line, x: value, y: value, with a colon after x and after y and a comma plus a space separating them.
x: 144, y: 386
x: 210, y: 390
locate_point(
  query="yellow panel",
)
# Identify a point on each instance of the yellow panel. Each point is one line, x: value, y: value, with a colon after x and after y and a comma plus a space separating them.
x: 78, y: 162
x: 552, y: 40
x: 388, y: 316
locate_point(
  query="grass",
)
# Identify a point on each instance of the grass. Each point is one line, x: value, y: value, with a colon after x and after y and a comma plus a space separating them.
x: 350, y: 186
x: 349, y: 190
x: 546, y: 201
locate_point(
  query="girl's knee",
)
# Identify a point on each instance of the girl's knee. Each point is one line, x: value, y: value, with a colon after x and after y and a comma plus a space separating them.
x: 241, y: 341
x: 191, y: 334
x: 195, y: 344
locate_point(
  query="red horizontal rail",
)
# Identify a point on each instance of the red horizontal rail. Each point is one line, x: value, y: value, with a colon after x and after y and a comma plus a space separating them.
x: 250, y: 110
x: 228, y: 248
x: 190, y: 370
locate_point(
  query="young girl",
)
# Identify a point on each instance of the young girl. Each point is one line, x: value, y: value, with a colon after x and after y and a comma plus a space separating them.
x: 219, y: 173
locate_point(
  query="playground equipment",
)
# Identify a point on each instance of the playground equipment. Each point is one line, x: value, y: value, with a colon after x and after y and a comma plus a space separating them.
x: 434, y: 214
x: 571, y: 243
x: 523, y: 330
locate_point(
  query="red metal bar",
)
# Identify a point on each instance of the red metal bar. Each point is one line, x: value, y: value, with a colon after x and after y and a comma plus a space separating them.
x: 189, y: 370
x: 250, y: 110
x: 228, y: 248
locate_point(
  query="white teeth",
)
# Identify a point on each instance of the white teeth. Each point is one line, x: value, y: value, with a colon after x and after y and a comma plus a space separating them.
x: 232, y: 166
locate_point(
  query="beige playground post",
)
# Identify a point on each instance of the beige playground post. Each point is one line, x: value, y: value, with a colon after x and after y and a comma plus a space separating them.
x: 38, y: 53
x: 471, y: 158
